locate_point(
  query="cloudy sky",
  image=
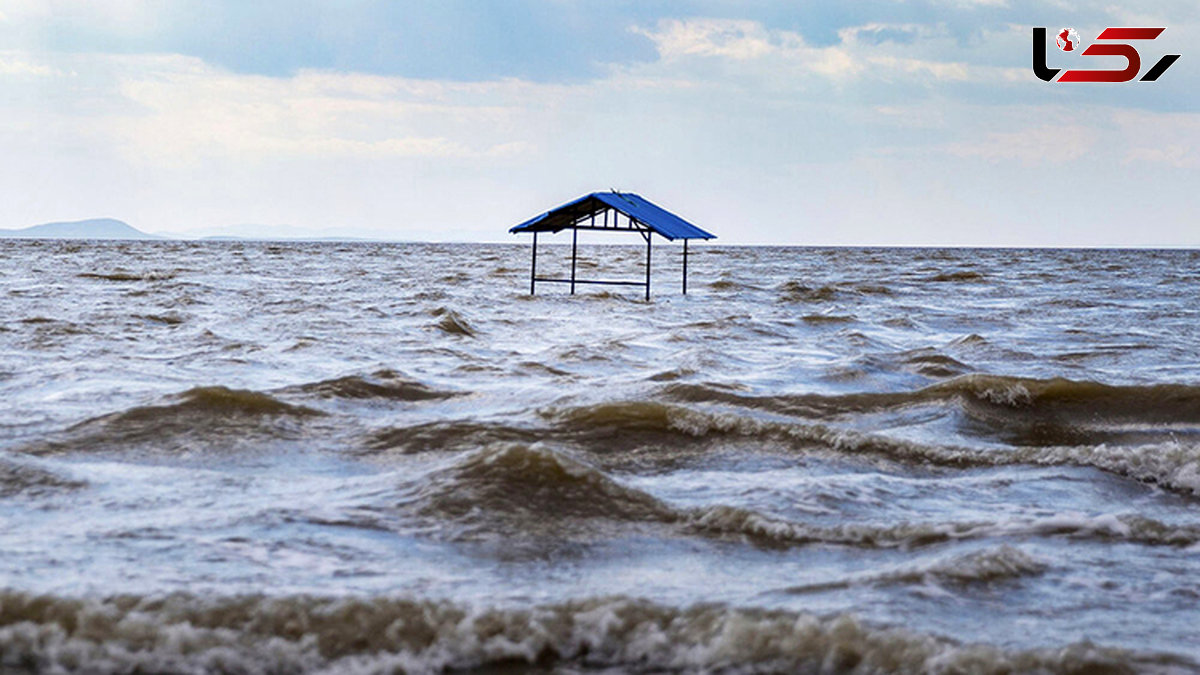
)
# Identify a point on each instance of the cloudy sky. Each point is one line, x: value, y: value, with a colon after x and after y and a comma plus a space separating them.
x: 868, y: 122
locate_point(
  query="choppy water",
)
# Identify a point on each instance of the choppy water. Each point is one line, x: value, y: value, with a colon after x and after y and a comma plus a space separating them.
x: 262, y: 457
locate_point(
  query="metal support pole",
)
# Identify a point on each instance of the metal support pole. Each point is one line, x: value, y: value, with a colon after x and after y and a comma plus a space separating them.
x: 533, y: 268
x: 685, y: 241
x: 574, y: 247
x: 648, y: 267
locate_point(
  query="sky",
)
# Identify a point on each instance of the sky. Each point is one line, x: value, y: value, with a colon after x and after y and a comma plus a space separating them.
x: 874, y: 122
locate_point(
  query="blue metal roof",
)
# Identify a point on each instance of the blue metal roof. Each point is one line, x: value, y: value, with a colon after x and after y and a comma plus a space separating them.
x: 650, y: 215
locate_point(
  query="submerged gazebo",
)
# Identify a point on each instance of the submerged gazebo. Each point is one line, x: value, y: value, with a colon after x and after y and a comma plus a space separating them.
x: 603, y: 211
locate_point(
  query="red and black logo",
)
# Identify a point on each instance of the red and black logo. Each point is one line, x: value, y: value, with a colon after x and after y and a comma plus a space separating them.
x: 1105, y: 45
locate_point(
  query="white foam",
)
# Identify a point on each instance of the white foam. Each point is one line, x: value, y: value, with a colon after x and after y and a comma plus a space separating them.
x: 182, y: 633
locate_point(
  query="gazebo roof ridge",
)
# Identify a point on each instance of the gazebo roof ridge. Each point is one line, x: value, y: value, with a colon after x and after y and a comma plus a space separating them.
x: 646, y: 213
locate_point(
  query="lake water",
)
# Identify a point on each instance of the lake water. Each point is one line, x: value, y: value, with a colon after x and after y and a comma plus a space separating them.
x: 277, y: 457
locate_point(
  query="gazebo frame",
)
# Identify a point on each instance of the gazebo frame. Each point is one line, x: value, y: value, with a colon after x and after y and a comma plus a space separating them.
x: 602, y: 212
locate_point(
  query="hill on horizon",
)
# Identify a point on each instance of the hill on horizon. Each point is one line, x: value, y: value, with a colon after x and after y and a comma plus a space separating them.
x: 94, y: 228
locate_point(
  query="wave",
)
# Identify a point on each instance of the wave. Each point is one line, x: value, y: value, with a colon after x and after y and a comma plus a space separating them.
x: 1060, y: 411
x: 446, y: 436
x: 23, y: 478
x: 1172, y: 464
x: 794, y: 291
x: 49, y: 328
x: 1004, y: 563
x: 298, y: 633
x: 931, y: 363
x: 212, y: 415
x: 169, y: 319
x: 770, y: 531
x: 627, y: 415
x: 128, y: 276
x: 211, y: 402
x: 381, y: 384
x: 1158, y: 403
x: 452, y: 323
x: 1023, y: 411
x: 803, y: 405
x: 958, y: 275
x: 198, y: 417
x: 989, y: 566
x: 725, y: 520
x: 1086, y: 416
x: 530, y: 490
x: 825, y: 319
x: 970, y: 340
x: 601, y: 429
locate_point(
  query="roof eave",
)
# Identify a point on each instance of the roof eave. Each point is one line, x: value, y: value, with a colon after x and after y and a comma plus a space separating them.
x: 634, y: 203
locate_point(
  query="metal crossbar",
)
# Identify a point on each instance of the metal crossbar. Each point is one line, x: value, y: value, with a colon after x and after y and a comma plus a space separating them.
x: 584, y: 281
x: 632, y: 225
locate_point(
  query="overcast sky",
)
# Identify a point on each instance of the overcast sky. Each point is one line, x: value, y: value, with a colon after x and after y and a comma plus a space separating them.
x: 868, y: 122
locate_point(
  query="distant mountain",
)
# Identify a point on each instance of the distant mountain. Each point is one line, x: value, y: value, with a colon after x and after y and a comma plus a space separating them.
x: 96, y: 228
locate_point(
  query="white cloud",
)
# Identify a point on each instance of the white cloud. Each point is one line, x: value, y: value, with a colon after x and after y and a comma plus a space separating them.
x: 949, y: 72
x: 747, y: 41
x: 730, y: 38
x: 861, y: 54
x: 1045, y: 144
x: 16, y: 64
x: 970, y: 4
x: 178, y: 110
x: 1170, y: 139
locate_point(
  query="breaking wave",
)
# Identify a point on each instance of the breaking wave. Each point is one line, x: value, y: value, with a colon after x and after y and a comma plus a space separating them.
x: 988, y: 566
x: 730, y: 520
x: 1174, y: 464
x: 1059, y: 411
x: 263, y: 634
x: 1001, y: 400
x: 1083, y: 415
x: 993, y: 565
